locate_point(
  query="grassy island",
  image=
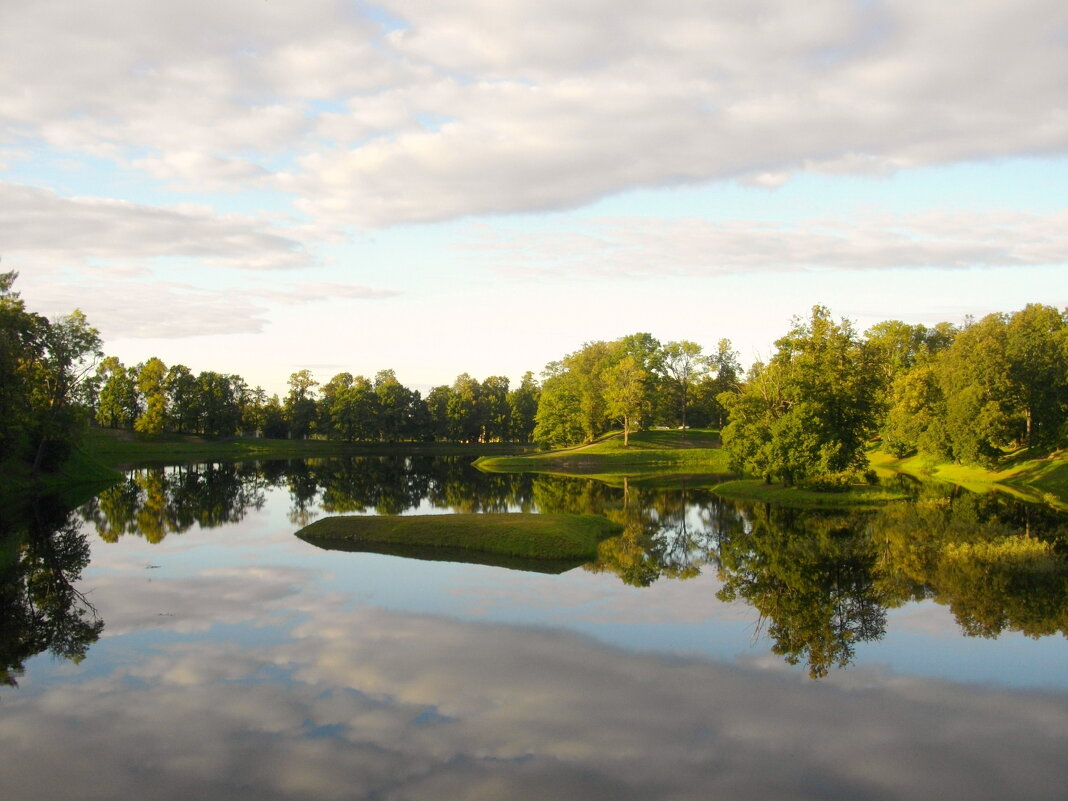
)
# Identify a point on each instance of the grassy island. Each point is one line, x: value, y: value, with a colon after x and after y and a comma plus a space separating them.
x: 509, y: 540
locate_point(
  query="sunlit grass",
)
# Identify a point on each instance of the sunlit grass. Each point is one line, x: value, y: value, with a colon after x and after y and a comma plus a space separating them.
x: 1043, y: 479
x: 649, y: 454
x: 531, y: 536
x: 124, y: 448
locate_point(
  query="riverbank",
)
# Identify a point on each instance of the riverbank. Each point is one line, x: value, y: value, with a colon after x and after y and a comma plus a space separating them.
x: 102, y: 454
x: 649, y: 455
x: 655, y: 457
x: 1038, y: 478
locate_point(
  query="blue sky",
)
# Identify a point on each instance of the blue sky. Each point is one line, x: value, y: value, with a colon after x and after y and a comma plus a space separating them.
x: 259, y: 187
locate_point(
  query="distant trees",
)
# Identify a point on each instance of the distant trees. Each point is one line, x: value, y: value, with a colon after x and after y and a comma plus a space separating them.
x: 969, y: 394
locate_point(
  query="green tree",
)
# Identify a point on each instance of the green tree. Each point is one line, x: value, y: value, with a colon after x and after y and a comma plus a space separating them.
x: 625, y: 393
x: 810, y: 410
x: 151, y: 383
x: 682, y: 366
x: 395, y: 407
x: 117, y: 404
x: 1035, y: 348
x: 494, y: 408
x: 465, y: 420
x: 70, y: 355
x: 558, y: 420
x: 724, y: 374
x: 300, y: 406
x: 183, y: 398
x: 219, y: 404
x: 523, y: 409
x: 437, y: 406
x: 274, y: 419
x: 21, y: 347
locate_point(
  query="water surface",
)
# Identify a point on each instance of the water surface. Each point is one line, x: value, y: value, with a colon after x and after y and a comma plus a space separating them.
x: 714, y: 650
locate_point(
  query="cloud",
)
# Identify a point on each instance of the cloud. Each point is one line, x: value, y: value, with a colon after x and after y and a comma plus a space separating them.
x: 640, y: 247
x: 315, y: 292
x: 123, y: 307
x: 475, y: 107
x: 370, y: 703
x: 39, y: 223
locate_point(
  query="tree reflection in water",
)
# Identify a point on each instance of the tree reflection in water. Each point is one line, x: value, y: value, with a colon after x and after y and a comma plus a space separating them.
x: 40, y: 608
x: 821, y: 582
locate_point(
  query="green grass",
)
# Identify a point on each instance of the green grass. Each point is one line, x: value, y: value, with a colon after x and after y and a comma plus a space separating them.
x: 553, y: 537
x: 650, y: 454
x: 1043, y: 478
x: 123, y: 449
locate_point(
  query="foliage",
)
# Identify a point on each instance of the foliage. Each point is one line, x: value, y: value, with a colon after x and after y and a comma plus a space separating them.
x: 46, y: 387
x: 810, y: 410
x: 40, y: 607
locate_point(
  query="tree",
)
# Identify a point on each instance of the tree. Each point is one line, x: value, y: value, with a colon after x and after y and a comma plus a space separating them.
x: 724, y: 374
x: 1035, y: 348
x: 523, y: 409
x: 183, y: 398
x: 572, y: 407
x: 21, y: 347
x: 682, y: 365
x: 494, y: 408
x: 1005, y: 384
x: 465, y: 421
x: 300, y: 405
x: 625, y: 393
x: 117, y: 404
x: 151, y: 383
x: 437, y: 406
x: 395, y: 403
x: 70, y: 354
x: 219, y: 404
x: 559, y: 420
x: 810, y: 410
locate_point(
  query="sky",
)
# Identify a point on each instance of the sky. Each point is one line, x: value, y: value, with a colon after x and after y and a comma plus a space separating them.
x: 482, y: 186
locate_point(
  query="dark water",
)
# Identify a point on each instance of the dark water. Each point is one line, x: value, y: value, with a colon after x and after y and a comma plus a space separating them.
x: 172, y: 638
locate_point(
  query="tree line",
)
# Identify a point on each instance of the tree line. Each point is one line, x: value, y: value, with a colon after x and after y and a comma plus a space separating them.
x: 965, y: 393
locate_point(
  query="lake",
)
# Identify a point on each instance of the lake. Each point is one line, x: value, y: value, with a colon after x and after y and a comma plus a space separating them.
x: 713, y: 650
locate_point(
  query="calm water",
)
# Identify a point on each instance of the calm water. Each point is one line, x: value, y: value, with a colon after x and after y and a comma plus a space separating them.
x: 712, y: 651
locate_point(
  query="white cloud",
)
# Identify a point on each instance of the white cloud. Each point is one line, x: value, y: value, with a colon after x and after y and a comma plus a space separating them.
x: 40, y: 224
x: 482, y: 107
x: 369, y: 703
x: 649, y: 247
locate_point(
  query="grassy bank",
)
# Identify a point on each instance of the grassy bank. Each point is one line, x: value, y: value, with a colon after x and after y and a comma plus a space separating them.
x: 122, y: 449
x: 554, y: 537
x: 1041, y: 479
x: 102, y: 453
x: 648, y: 456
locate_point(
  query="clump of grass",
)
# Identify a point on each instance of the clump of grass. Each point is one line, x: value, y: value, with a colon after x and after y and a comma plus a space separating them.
x: 530, y: 536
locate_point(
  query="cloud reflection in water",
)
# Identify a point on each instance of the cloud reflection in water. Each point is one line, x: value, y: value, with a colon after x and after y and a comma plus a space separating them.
x: 373, y: 703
